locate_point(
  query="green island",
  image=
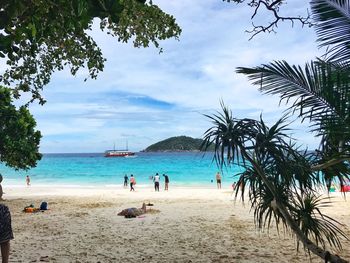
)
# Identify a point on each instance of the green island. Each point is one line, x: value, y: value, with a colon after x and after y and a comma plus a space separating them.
x: 176, y: 144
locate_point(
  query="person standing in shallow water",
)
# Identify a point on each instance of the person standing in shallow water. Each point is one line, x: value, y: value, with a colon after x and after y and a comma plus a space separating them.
x: 156, y: 180
x: 126, y: 179
x: 218, y: 180
x: 166, y: 182
x: 28, y: 180
x: 132, y: 183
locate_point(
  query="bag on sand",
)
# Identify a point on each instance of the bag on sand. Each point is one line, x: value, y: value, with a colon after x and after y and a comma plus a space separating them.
x: 43, y: 206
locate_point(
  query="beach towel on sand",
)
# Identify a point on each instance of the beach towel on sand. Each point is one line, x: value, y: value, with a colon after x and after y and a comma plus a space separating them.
x: 29, y: 209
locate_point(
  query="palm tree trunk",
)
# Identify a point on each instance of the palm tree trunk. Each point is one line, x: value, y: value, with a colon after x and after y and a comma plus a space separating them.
x: 329, y: 163
x: 326, y: 255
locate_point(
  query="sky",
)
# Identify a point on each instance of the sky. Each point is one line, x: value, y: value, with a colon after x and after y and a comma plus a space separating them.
x: 144, y: 96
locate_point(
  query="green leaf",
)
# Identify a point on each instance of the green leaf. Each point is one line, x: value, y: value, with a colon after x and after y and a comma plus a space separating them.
x: 32, y: 27
x: 333, y: 27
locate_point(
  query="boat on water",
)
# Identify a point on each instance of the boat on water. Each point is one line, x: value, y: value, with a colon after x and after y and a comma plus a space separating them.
x: 119, y: 153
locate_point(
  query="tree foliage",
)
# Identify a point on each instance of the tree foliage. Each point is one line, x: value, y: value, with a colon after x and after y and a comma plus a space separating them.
x: 39, y: 37
x: 178, y: 143
x: 278, y: 178
x: 19, y: 141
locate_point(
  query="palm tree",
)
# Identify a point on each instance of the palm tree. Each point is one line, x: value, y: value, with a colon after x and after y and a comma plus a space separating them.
x: 279, y: 178
x: 321, y: 93
x: 321, y: 89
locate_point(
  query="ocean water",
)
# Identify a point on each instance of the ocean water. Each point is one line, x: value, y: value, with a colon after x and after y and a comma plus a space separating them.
x: 183, y: 169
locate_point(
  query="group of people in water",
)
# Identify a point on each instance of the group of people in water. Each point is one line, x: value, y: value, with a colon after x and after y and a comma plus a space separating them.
x: 155, y: 179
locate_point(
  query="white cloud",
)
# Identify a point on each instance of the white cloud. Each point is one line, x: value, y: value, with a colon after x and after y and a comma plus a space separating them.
x: 192, y: 75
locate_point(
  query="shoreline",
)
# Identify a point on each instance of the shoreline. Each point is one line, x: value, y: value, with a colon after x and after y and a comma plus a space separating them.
x: 97, y: 189
x: 201, y: 192
x: 117, y: 186
x: 111, y: 191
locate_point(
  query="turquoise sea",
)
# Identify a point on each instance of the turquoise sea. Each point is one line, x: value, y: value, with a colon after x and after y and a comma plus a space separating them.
x: 93, y: 169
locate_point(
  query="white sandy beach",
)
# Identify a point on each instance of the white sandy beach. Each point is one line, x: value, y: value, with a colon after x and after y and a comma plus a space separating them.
x: 192, y: 225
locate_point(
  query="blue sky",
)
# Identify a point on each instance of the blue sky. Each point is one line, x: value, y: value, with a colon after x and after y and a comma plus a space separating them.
x: 143, y: 96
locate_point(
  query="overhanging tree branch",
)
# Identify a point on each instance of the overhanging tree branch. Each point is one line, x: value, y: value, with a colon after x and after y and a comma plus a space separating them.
x: 273, y: 8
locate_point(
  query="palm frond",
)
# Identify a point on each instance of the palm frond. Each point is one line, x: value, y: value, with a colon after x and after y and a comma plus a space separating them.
x: 320, y: 91
x: 333, y: 27
x: 314, y: 224
x: 229, y: 135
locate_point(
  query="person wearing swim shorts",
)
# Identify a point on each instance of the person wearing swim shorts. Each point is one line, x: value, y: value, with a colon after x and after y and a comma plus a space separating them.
x: 126, y: 179
x: 132, y: 183
x: 5, y: 232
x: 166, y: 182
x: 156, y: 180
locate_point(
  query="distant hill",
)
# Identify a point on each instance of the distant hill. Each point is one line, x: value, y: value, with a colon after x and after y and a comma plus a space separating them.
x: 176, y: 144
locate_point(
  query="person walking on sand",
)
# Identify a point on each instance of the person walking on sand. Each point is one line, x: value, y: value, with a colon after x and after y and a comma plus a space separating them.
x: 166, y: 182
x: 6, y: 233
x: 156, y: 180
x: 28, y: 180
x: 233, y: 187
x: 132, y: 183
x: 218, y: 180
x: 126, y: 179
